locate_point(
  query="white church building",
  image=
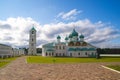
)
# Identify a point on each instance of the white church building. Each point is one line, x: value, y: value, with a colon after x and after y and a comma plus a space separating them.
x: 74, y: 46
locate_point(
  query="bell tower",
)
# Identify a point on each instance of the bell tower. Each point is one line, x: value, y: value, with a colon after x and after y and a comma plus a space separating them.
x: 32, y: 42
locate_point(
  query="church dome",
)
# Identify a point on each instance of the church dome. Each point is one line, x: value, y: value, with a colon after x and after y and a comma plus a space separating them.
x: 66, y: 38
x: 81, y: 36
x: 58, y: 37
x: 70, y: 36
x: 74, y: 33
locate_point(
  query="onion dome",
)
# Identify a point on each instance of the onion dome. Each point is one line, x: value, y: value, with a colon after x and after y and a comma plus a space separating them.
x: 66, y: 38
x: 70, y: 36
x: 74, y: 33
x: 81, y: 36
x: 58, y: 37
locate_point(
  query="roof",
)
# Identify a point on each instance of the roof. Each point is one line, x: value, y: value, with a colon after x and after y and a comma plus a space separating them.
x: 5, y: 45
x: 81, y: 36
x: 70, y: 36
x: 81, y: 49
x: 51, y: 45
x: 33, y: 29
x: 61, y: 43
x: 66, y: 38
x: 74, y: 33
x: 49, y: 50
x: 58, y: 37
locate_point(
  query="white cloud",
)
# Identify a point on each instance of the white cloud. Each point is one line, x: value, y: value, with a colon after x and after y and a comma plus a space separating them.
x: 71, y: 15
x: 17, y: 34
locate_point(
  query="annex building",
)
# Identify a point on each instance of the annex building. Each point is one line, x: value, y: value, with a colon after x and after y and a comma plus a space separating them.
x: 74, y: 46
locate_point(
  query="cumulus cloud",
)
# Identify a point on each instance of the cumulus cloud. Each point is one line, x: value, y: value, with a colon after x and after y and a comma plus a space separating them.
x: 95, y: 33
x: 71, y: 15
x: 4, y: 26
x: 17, y: 35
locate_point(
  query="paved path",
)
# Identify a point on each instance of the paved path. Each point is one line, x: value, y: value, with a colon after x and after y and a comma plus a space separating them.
x: 20, y: 70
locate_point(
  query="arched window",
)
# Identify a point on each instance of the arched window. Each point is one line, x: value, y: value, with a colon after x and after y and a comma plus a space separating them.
x: 86, y: 53
x: 49, y: 54
x: 70, y: 54
x: 92, y: 54
x: 56, y: 54
x: 63, y: 54
x: 46, y: 54
x: 78, y: 53
x: 32, y: 32
x: 59, y: 47
x: 59, y: 54
x: 52, y: 54
x: 63, y: 47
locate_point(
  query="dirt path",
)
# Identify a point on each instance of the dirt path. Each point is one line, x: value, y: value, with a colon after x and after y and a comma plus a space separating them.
x: 20, y: 70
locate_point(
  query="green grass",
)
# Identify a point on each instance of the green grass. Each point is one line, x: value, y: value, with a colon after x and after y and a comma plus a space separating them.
x: 4, y: 62
x: 116, y: 67
x: 40, y: 59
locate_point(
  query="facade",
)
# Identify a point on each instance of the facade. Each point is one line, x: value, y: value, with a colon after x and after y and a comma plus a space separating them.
x: 32, y: 42
x: 18, y: 52
x: 7, y: 51
x: 74, y: 46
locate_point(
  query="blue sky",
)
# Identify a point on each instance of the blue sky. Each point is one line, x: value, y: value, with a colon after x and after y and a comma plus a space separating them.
x: 46, y: 12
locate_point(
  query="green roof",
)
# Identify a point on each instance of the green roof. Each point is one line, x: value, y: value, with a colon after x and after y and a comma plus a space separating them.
x: 81, y: 36
x: 49, y: 45
x: 58, y: 37
x: 66, y: 38
x: 33, y: 29
x: 49, y: 50
x: 61, y: 43
x: 81, y: 49
x: 70, y: 36
x: 74, y: 33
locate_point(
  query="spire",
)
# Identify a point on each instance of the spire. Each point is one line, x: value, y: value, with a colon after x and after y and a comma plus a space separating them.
x: 33, y: 29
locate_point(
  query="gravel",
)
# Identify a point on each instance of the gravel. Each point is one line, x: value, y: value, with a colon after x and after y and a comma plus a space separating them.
x: 20, y: 70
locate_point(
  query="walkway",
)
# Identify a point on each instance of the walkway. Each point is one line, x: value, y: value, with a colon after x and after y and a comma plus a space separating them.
x: 20, y: 70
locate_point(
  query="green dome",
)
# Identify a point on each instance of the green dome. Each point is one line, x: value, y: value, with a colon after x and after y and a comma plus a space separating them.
x: 66, y: 38
x: 70, y: 36
x: 58, y: 37
x: 81, y: 36
x: 33, y: 29
x: 74, y: 33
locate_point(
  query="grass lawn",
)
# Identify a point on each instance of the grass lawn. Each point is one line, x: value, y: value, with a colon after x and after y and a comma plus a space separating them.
x: 116, y: 67
x: 40, y: 59
x: 4, y: 62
